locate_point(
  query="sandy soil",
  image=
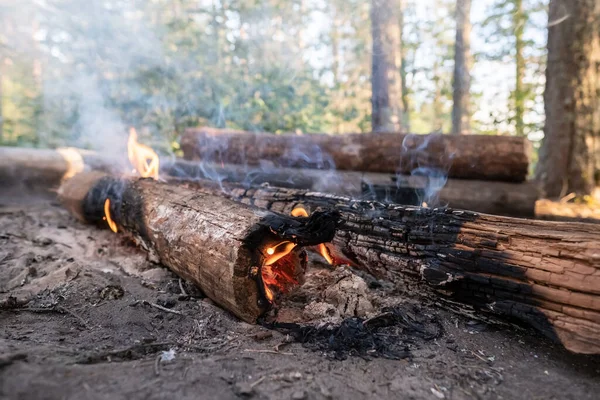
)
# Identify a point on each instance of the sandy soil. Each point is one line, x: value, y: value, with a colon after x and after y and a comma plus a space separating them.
x: 84, y: 315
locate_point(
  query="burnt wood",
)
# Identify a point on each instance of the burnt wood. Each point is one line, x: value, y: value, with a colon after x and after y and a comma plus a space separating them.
x: 546, y: 274
x: 501, y: 158
x: 214, y: 242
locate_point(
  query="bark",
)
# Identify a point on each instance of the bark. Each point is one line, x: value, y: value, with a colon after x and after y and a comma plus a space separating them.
x: 500, y: 158
x: 567, y: 156
x: 519, y: 21
x: 218, y: 244
x: 461, y: 115
x: 546, y: 274
x: 386, y: 84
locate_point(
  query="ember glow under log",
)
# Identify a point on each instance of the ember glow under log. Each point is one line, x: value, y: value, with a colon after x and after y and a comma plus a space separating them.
x: 501, y: 158
x: 240, y: 256
x: 546, y: 274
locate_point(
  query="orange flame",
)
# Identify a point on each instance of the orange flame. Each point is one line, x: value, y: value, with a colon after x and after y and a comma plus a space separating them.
x: 301, y: 212
x: 276, y: 275
x: 111, y: 224
x: 142, y: 158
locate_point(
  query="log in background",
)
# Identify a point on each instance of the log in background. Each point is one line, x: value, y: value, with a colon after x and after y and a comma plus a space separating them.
x: 45, y: 169
x: 501, y: 158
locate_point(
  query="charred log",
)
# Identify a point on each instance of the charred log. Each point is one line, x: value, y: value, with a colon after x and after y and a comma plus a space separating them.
x: 220, y: 245
x: 501, y: 158
x: 546, y: 274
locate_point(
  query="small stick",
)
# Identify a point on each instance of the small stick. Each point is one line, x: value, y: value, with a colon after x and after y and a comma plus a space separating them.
x: 165, y: 309
x: 183, y: 292
x: 157, y: 365
x: 267, y: 352
x: 258, y: 381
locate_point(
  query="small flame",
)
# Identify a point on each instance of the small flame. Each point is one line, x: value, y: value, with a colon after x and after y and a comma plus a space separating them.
x: 112, y: 225
x: 142, y: 158
x: 276, y: 275
x: 301, y: 212
x: 287, y: 248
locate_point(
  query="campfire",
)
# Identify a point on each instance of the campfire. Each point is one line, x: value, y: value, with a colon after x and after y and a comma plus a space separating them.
x: 286, y: 242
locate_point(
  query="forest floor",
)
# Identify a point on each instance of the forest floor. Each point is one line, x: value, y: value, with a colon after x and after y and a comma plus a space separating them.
x: 102, y: 322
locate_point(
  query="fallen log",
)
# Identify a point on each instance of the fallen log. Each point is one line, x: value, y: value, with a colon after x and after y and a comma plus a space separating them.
x: 232, y: 251
x: 499, y: 198
x: 44, y: 168
x: 502, y: 158
x: 546, y: 274
x: 31, y: 167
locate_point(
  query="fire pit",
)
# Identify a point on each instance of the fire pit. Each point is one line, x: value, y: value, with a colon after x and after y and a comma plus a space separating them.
x: 341, y: 277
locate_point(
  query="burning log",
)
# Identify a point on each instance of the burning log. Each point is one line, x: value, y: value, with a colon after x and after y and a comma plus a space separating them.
x: 501, y: 158
x: 240, y: 256
x: 546, y: 274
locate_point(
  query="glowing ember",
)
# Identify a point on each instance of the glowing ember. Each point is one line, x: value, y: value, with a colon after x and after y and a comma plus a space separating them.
x: 142, y: 158
x: 301, y: 212
x: 112, y: 225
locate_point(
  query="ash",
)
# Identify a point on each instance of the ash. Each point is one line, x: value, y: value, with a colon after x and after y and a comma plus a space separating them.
x: 391, y: 334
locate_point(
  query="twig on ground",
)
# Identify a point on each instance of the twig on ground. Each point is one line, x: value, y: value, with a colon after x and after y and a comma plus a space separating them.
x: 253, y: 384
x: 157, y: 365
x: 267, y: 352
x: 183, y: 292
x: 165, y: 309
x: 53, y: 309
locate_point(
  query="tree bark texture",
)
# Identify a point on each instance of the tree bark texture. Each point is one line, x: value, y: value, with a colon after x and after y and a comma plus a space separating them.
x: 546, y: 274
x: 217, y: 243
x: 386, y: 83
x: 572, y: 105
x: 497, y: 158
x: 461, y: 114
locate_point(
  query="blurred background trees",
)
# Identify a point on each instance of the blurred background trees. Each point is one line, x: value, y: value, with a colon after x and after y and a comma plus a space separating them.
x: 79, y: 72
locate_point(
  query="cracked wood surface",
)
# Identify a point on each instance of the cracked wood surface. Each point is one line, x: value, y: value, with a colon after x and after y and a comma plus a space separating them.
x: 546, y: 274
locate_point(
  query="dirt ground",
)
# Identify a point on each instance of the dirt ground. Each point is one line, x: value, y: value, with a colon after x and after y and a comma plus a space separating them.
x: 102, y: 322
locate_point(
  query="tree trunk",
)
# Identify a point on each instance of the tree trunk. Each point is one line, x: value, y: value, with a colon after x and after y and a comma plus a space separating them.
x: 482, y: 157
x: 461, y: 115
x: 385, y: 79
x: 571, y: 98
x: 404, y: 87
x: 546, y: 274
x: 519, y: 20
x: 220, y: 245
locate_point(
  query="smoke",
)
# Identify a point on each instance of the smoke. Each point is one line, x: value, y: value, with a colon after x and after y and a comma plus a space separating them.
x: 418, y: 151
